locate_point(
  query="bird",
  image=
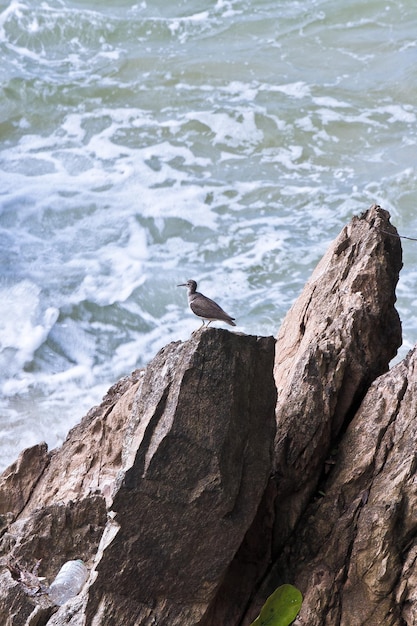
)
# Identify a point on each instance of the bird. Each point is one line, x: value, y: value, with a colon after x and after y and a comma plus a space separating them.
x: 204, y: 307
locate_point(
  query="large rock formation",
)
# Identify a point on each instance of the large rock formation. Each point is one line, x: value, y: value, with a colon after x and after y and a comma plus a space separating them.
x: 167, y: 473
x: 354, y: 553
x: 191, y: 500
x: 340, y: 334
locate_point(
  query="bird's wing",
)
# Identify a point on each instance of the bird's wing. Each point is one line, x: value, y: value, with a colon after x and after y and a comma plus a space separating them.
x: 208, y: 308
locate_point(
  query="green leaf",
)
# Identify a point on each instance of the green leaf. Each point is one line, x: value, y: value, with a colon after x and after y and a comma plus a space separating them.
x: 281, y: 608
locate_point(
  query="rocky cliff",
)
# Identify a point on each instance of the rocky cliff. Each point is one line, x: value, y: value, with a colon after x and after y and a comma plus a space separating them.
x: 233, y: 464
x: 154, y: 489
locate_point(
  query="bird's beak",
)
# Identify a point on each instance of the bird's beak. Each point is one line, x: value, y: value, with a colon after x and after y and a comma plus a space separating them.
x: 182, y: 285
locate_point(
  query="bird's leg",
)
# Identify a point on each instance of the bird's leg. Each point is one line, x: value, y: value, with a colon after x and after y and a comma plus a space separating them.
x: 203, y: 324
x: 209, y: 322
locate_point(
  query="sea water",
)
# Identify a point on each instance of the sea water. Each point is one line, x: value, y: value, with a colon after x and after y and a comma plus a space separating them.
x: 146, y: 143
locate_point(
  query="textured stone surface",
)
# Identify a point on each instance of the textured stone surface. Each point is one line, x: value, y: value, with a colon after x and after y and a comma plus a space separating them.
x: 192, y: 492
x: 355, y: 551
x: 91, y: 456
x: 338, y: 337
x: 205, y: 419
x: 340, y: 334
x: 19, y: 479
x: 179, y: 455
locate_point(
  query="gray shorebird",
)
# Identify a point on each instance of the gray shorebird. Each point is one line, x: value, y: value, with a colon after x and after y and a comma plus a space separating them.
x: 204, y: 307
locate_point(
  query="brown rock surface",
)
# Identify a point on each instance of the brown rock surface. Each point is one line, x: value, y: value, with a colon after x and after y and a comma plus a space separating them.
x: 340, y: 334
x: 192, y: 501
x: 205, y: 419
x: 180, y: 454
x: 19, y: 479
x: 354, y: 553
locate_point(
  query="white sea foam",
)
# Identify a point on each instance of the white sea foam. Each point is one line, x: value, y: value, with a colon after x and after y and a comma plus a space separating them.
x: 230, y: 130
x: 297, y: 90
x: 399, y: 113
x: 327, y: 101
x: 14, y: 9
x: 115, y: 273
x: 24, y: 326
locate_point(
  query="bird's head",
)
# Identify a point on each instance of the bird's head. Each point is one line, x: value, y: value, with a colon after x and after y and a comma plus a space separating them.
x: 191, y: 284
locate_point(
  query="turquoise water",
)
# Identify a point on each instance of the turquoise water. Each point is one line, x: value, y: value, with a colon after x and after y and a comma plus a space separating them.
x: 145, y: 144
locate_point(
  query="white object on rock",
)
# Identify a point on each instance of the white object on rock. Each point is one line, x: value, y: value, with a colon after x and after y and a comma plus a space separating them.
x: 68, y: 582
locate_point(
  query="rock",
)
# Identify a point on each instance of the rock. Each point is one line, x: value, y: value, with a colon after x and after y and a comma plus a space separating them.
x: 15, y: 606
x: 18, y: 481
x: 204, y: 426
x: 337, y: 338
x: 354, y: 554
x: 192, y: 491
x: 339, y: 335
x: 178, y: 455
x: 90, y: 458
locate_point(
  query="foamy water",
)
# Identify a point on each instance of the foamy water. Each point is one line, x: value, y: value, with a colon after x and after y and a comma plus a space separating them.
x: 145, y: 144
